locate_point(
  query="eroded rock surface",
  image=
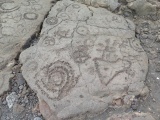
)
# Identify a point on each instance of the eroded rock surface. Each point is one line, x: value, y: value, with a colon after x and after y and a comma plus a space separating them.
x: 109, y: 4
x: 132, y: 116
x: 19, y: 20
x: 85, y: 60
x: 142, y: 7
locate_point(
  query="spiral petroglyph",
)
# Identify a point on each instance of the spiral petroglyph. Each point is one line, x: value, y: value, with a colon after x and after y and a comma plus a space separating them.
x: 58, y: 78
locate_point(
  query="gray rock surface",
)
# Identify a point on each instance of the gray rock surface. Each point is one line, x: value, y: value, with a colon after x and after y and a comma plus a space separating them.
x: 132, y: 116
x: 86, y: 59
x: 11, y: 98
x: 110, y: 4
x: 19, y: 20
x: 142, y: 7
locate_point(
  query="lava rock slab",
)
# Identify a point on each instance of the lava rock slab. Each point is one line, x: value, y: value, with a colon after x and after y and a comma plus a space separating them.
x: 86, y: 58
x: 19, y: 20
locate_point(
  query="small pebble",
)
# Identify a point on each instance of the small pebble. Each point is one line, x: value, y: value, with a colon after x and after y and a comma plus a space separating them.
x: 21, y: 87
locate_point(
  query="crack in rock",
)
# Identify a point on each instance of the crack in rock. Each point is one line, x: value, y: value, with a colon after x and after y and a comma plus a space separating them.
x: 19, y: 21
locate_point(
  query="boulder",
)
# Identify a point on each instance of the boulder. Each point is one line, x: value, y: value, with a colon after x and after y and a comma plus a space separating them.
x: 86, y: 59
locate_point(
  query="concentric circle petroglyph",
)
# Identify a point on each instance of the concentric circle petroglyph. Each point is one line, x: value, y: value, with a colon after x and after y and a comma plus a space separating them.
x: 82, y: 30
x: 30, y: 16
x: 58, y: 78
x: 52, y: 20
x: 8, y: 6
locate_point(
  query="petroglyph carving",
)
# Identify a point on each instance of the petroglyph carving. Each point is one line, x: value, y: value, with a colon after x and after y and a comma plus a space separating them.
x: 52, y: 21
x: 107, y: 73
x: 85, y: 60
x: 31, y: 16
x: 135, y: 45
x: 58, y: 78
x: 80, y: 55
x: 48, y: 41
x: 19, y: 20
x: 82, y: 30
x: 8, y: 6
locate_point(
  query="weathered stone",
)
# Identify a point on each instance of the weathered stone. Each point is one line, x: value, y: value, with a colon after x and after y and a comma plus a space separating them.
x: 19, y: 20
x: 142, y: 7
x: 110, y: 4
x: 45, y: 110
x: 86, y: 59
x: 132, y: 116
x: 11, y: 98
x: 18, y: 109
x: 4, y: 80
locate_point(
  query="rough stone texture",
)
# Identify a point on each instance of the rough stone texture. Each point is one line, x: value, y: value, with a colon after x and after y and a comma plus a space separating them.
x: 132, y: 116
x: 45, y: 110
x: 142, y: 7
x: 86, y: 59
x: 110, y: 4
x: 19, y: 20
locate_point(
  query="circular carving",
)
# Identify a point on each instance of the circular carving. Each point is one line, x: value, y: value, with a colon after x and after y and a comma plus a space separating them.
x: 52, y: 21
x: 63, y: 16
x: 80, y: 55
x: 59, y: 78
x: 8, y: 6
x: 82, y: 30
x: 48, y: 41
x: 135, y: 45
x: 30, y: 16
x: 76, y: 6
